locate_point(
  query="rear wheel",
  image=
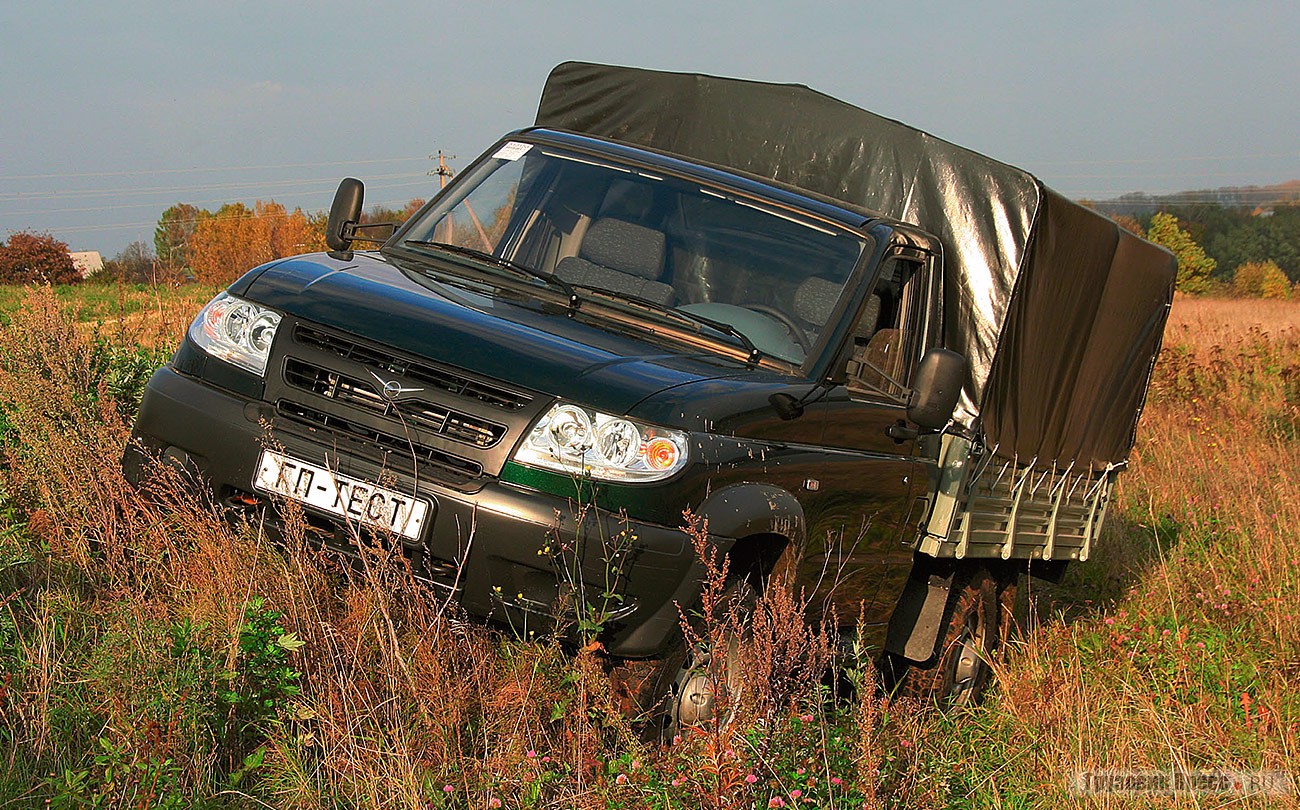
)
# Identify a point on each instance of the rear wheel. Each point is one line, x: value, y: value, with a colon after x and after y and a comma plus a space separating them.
x: 970, y: 639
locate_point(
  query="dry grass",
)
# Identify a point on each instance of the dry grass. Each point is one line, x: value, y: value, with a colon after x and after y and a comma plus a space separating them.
x: 126, y: 621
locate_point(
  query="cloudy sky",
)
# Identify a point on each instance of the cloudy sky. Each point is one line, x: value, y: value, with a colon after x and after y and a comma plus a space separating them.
x: 112, y: 111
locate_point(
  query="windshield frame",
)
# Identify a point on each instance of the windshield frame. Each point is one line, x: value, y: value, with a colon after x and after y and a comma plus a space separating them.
x: 775, y: 200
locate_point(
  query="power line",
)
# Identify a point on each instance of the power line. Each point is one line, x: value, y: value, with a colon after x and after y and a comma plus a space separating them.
x: 1167, y: 159
x: 100, y: 227
x: 146, y: 172
x: 159, y: 190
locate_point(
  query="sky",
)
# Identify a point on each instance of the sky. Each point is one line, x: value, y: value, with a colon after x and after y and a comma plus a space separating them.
x: 113, y: 111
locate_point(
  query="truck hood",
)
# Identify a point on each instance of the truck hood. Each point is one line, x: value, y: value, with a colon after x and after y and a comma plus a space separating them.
x: 510, y: 340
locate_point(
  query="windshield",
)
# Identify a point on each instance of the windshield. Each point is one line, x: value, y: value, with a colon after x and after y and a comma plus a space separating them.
x: 771, y: 274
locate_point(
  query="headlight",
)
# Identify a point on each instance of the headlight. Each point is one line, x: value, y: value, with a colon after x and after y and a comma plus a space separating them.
x: 571, y: 439
x: 236, y: 331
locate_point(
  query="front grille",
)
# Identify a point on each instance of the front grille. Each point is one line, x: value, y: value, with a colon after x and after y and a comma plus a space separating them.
x: 411, y: 412
x: 389, y: 445
x: 440, y: 377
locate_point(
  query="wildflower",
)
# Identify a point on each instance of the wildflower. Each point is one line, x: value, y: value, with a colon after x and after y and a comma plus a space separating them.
x: 776, y: 801
x: 448, y: 789
x: 1200, y: 645
x: 531, y: 754
x: 621, y: 779
x: 494, y: 803
x: 677, y: 782
x: 750, y: 779
x: 807, y: 718
x: 836, y: 781
x: 1109, y: 621
x: 796, y: 793
x: 677, y: 739
x: 636, y: 763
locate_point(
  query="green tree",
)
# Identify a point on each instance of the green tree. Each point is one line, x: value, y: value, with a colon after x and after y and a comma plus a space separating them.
x: 171, y: 239
x: 1194, y: 267
x: 1273, y: 236
x: 1261, y: 280
x: 38, y: 258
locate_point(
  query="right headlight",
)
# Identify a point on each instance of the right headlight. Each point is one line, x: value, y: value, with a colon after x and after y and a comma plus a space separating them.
x: 572, y: 439
x: 237, y: 331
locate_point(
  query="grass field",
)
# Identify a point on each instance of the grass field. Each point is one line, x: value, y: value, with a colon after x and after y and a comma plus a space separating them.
x: 152, y: 655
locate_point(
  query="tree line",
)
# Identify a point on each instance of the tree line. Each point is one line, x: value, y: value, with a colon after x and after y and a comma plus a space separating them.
x: 190, y: 243
x: 1224, y: 250
x: 1221, y: 250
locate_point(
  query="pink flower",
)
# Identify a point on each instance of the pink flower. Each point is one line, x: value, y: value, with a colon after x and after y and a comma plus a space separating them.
x: 776, y: 801
x: 802, y: 771
x: 531, y: 755
x: 677, y: 782
x: 807, y: 718
x: 621, y: 779
x: 796, y: 793
x: 448, y: 789
x: 836, y: 781
x: 636, y: 763
x: 494, y: 802
x: 751, y: 778
x: 677, y: 739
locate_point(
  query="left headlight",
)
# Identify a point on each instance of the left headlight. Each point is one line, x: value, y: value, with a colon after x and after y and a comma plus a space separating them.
x: 237, y: 331
x: 572, y: 439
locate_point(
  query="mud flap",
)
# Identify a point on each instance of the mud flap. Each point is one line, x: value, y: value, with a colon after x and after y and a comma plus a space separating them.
x: 916, y: 621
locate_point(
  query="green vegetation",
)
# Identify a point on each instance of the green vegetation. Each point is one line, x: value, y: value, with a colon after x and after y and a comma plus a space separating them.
x: 154, y: 655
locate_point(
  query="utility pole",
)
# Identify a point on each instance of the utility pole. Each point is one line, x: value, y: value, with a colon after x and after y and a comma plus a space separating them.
x: 443, y: 172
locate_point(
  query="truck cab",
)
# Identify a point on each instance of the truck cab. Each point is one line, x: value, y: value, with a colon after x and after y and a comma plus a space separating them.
x: 531, y: 381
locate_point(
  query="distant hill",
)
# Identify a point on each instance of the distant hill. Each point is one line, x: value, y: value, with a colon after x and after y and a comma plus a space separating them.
x: 1140, y: 203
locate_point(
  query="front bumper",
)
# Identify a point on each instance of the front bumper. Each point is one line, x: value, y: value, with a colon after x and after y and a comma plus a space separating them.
x: 507, y: 553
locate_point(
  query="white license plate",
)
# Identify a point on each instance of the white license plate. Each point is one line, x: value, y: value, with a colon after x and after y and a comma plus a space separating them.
x: 340, y: 495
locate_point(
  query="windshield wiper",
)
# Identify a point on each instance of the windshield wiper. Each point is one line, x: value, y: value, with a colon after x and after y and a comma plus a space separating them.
x: 755, y: 354
x: 520, y: 270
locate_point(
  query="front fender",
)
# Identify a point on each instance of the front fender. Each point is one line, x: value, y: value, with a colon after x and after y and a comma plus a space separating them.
x: 745, y: 509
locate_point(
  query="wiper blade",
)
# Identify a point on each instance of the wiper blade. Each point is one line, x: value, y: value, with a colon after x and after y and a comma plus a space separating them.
x: 505, y: 264
x: 755, y: 354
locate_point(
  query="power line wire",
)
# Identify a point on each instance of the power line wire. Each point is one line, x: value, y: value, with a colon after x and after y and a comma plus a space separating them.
x: 138, y: 172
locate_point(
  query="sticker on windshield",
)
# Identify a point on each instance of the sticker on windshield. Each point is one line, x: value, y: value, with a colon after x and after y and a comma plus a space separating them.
x: 512, y: 151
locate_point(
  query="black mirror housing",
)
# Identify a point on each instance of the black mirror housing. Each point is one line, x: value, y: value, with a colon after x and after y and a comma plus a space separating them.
x: 345, y: 213
x: 936, y: 388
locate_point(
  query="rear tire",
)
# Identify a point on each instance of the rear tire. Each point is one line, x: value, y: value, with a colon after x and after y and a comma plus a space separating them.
x: 970, y: 639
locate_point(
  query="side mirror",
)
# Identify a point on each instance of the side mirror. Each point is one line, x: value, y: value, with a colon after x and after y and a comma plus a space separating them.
x: 345, y: 213
x: 936, y: 388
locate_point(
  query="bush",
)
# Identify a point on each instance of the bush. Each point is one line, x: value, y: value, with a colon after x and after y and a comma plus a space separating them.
x: 1261, y: 280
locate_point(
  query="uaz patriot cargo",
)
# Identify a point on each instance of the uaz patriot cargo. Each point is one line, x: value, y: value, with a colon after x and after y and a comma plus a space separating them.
x: 903, y: 371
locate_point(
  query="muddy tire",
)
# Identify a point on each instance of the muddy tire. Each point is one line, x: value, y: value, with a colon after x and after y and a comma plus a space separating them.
x: 970, y: 640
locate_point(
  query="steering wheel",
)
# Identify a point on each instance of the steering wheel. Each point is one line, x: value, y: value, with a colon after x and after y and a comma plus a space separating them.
x: 797, y: 334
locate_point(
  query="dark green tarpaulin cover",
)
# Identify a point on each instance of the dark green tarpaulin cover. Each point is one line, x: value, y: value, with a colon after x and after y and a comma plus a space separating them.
x: 1059, y: 311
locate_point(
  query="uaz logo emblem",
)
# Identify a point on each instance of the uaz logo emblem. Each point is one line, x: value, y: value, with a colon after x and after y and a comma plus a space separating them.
x: 392, y: 389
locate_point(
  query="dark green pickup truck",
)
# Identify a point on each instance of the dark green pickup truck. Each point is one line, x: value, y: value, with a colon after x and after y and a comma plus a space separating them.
x: 894, y: 368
